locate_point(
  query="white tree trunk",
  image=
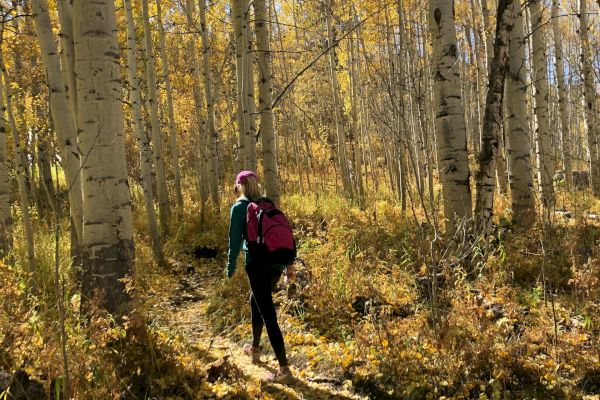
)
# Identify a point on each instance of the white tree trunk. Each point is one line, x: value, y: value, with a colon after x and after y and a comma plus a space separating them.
x: 242, y: 121
x: 265, y: 100
x: 451, y: 133
x: 517, y: 127
x: 213, y: 159
x: 6, y: 221
x: 544, y: 134
x: 108, y: 251
x: 204, y: 186
x: 161, y: 179
x: 65, y: 16
x: 20, y: 171
x: 562, y: 94
x: 591, y: 110
x: 62, y: 112
x: 342, y: 158
x: 140, y: 135
x: 170, y: 110
x: 248, y: 82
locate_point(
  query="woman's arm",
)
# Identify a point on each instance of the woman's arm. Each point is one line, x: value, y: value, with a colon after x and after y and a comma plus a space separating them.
x: 236, y: 235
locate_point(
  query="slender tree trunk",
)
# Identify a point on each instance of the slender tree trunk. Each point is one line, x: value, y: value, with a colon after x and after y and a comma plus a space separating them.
x: 517, y: 127
x: 108, y: 251
x: 170, y: 111
x: 242, y: 118
x: 65, y: 16
x: 340, y: 135
x: 248, y: 80
x: 195, y: 72
x: 540, y: 66
x: 20, y: 172
x: 562, y: 95
x: 591, y: 109
x: 6, y: 221
x: 212, y: 134
x: 451, y: 134
x: 141, y: 137
x: 493, y: 119
x: 62, y: 113
x: 164, y: 210
x: 265, y: 99
x: 354, y: 115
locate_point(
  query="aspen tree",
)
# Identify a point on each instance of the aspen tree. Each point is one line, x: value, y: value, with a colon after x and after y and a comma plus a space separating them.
x: 108, y: 251
x: 488, y: 42
x: 62, y: 112
x: 65, y: 17
x: 562, y: 95
x: 6, y: 221
x: 19, y: 168
x: 265, y: 100
x: 451, y: 133
x: 213, y: 162
x: 493, y: 119
x: 591, y: 110
x: 248, y: 84
x: 517, y: 138
x: 140, y: 135
x: 241, y: 117
x: 195, y: 71
x: 170, y: 111
x: 544, y: 135
x: 164, y: 210
x: 340, y: 136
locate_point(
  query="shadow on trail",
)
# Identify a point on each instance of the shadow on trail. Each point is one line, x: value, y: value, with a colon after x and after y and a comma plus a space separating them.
x: 302, y: 390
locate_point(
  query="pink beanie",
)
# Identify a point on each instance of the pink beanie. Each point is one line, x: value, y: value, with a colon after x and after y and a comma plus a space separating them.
x: 243, y: 176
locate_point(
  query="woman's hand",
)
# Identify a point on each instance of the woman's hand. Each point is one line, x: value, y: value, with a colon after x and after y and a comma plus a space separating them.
x: 229, y: 270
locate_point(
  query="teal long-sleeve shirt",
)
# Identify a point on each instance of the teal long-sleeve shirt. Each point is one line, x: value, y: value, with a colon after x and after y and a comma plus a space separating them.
x: 237, y: 228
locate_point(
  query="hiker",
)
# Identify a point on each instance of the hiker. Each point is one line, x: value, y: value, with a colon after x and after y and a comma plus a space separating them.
x: 263, y: 277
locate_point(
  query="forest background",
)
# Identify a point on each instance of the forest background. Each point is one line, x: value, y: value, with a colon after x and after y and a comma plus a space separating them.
x: 438, y: 159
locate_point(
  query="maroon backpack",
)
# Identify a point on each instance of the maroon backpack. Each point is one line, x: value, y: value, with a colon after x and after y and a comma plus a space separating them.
x: 269, y: 233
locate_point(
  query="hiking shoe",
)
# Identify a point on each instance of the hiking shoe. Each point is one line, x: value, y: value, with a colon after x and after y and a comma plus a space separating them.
x: 253, y: 352
x: 283, y: 376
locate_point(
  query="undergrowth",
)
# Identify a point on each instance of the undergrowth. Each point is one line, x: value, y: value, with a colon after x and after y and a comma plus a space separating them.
x: 515, y: 317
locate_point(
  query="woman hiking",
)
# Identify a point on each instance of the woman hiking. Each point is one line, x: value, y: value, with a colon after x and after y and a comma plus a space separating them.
x: 262, y: 277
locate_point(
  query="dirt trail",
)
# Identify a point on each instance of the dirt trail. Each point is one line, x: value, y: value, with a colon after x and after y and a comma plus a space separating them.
x: 187, y: 315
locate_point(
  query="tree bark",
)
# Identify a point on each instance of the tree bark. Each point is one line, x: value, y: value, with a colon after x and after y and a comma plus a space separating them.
x: 62, y: 112
x: 204, y: 186
x: 20, y: 172
x: 141, y: 137
x: 170, y: 111
x: 213, y: 159
x: 591, y: 110
x: 248, y: 80
x: 517, y: 127
x: 493, y: 118
x: 562, y: 95
x: 342, y: 158
x: 164, y: 210
x: 108, y: 251
x: 451, y: 133
x: 65, y: 17
x: 544, y: 134
x: 265, y: 100
x: 6, y: 221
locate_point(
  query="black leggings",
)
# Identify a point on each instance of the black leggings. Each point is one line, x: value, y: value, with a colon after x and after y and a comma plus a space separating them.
x: 262, y: 282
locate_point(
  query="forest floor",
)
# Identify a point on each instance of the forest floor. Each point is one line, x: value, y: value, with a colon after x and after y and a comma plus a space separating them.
x: 518, y: 317
x: 229, y: 373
